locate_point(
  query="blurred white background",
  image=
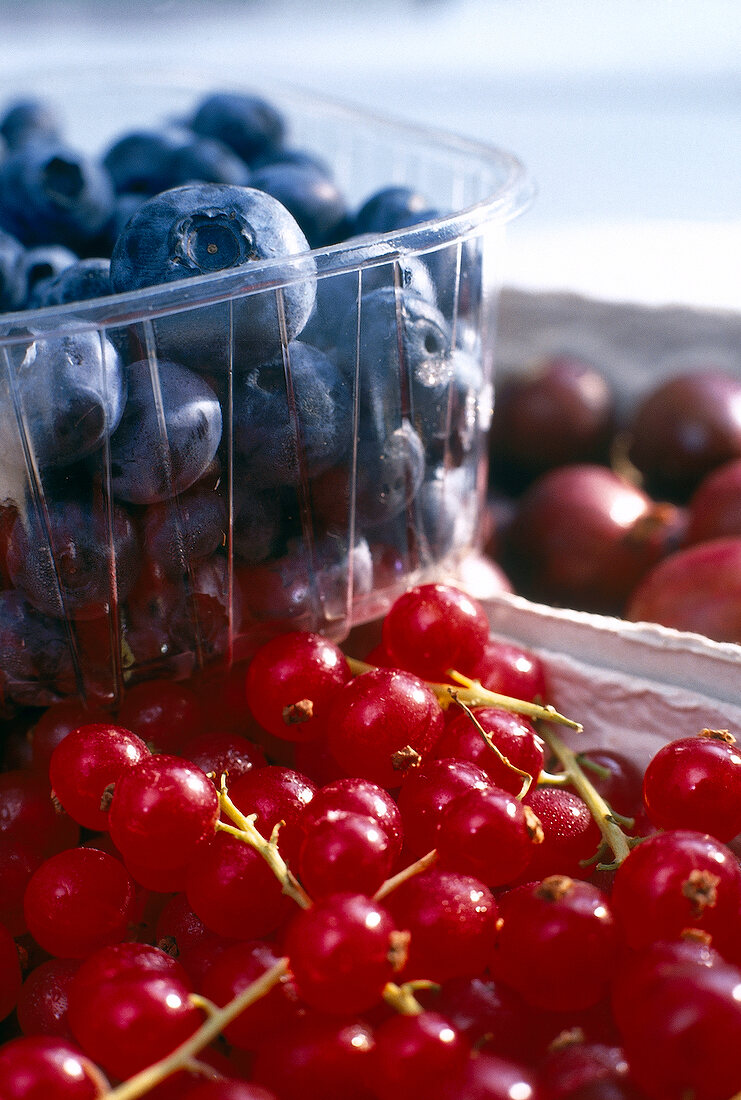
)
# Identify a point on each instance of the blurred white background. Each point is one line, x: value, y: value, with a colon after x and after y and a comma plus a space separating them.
x: 627, y: 112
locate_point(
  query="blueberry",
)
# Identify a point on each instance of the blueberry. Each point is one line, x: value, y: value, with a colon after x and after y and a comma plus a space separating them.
x: 257, y: 522
x: 71, y: 391
x: 172, y: 627
x: 168, y: 435
x: 29, y: 120
x: 403, y: 359
x: 311, y: 195
x: 12, y: 273
x: 441, y: 520
x: 53, y: 195
x: 177, y: 533
x: 205, y: 228
x: 286, y: 155
x: 36, y: 667
x: 45, y: 261
x: 292, y: 417
x: 140, y: 162
x: 392, y: 208
x: 79, y: 282
x: 337, y: 295
x: 63, y: 561
x: 389, y: 471
x: 247, y: 123
x: 207, y: 160
x: 124, y: 207
x: 308, y: 585
x: 209, y: 613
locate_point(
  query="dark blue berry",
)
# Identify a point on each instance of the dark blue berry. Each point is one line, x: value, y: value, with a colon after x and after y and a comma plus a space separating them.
x: 54, y: 195
x: 402, y: 358
x: 392, y: 208
x: 140, y: 162
x: 292, y: 417
x: 168, y: 435
x: 311, y: 195
x: 247, y: 123
x: 207, y: 160
x: 257, y: 522
x: 336, y: 305
x: 63, y: 560
x: 176, y: 533
x: 29, y: 120
x: 45, y: 261
x: 205, y: 228
x: 81, y: 281
x: 71, y: 391
x: 36, y: 666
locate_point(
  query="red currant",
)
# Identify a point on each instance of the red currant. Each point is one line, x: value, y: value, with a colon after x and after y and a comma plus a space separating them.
x: 343, y: 951
x: 382, y: 723
x: 434, y: 628
x: 89, y: 760
x: 695, y: 783
x: 291, y: 681
x: 39, y: 1067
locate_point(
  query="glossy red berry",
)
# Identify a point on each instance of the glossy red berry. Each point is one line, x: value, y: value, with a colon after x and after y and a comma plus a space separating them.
x: 39, y: 1067
x: 417, y: 1055
x: 677, y: 880
x: 44, y: 997
x: 360, y: 796
x: 291, y: 681
x: 557, y: 943
x: 163, y: 713
x: 79, y: 900
x: 514, y: 736
x: 382, y: 724
x: 433, y: 628
x: 342, y: 952
x: 86, y: 764
x: 425, y: 794
x: 452, y: 920
x: 488, y: 834
x: 344, y: 853
x: 695, y: 783
x: 570, y: 834
x: 162, y: 809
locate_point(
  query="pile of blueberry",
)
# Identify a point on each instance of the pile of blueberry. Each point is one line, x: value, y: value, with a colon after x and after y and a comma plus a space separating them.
x: 214, y: 466
x: 318, y: 878
x: 633, y: 512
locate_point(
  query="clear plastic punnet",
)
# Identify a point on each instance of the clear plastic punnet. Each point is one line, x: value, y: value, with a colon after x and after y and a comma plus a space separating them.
x: 129, y: 551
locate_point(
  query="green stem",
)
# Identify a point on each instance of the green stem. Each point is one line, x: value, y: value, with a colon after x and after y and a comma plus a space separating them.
x: 612, y: 834
x: 413, y: 869
x: 183, y: 1056
x: 244, y: 829
x: 526, y: 778
x: 472, y: 693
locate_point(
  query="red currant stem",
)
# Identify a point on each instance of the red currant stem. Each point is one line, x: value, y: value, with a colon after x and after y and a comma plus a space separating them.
x: 611, y: 832
x: 244, y: 829
x: 553, y: 779
x: 401, y: 997
x: 592, y: 766
x: 413, y: 869
x: 477, y: 696
x: 216, y: 1020
x: 526, y: 777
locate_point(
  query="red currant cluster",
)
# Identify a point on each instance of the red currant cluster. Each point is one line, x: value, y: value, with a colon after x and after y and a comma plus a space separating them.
x: 318, y: 877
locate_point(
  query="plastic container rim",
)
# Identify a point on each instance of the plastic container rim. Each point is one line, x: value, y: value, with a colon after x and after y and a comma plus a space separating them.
x: 513, y: 195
